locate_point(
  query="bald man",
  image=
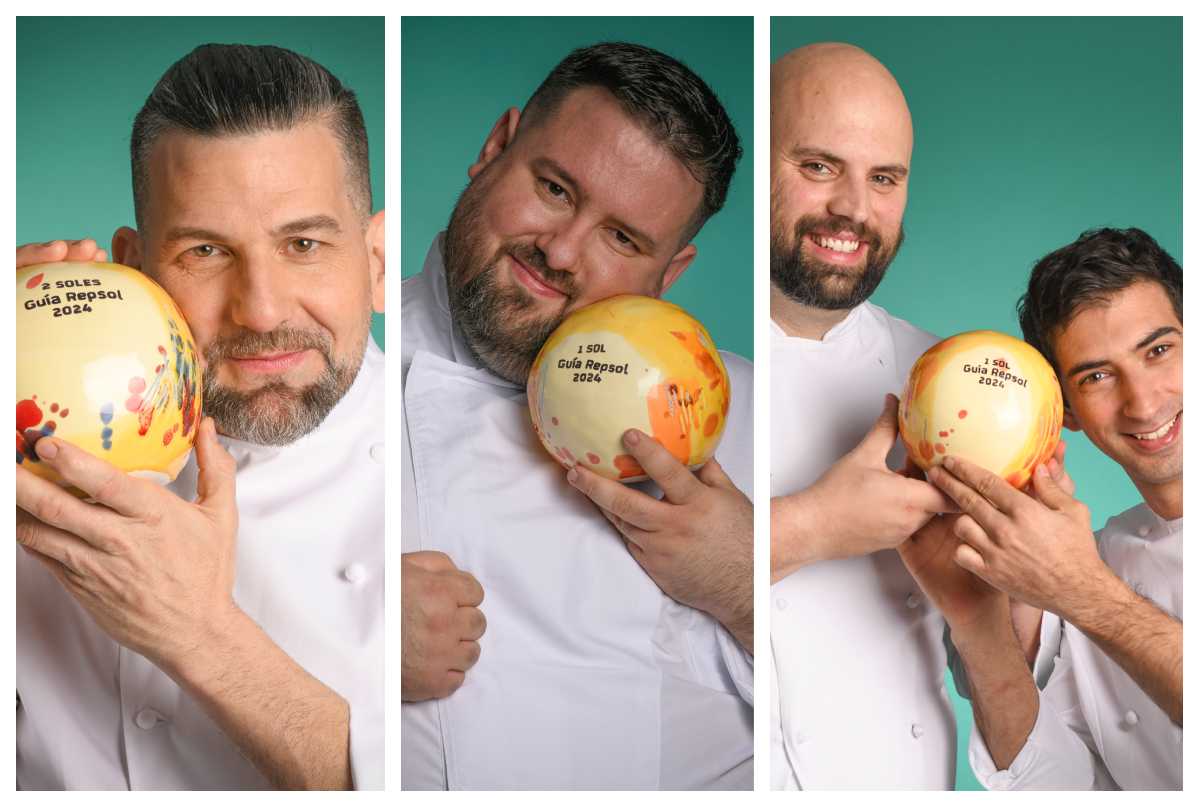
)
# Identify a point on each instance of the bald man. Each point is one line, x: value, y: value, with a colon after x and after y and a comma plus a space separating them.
x: 858, y: 663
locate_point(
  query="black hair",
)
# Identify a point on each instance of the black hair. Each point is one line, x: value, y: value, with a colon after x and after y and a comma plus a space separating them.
x: 1089, y: 271
x: 666, y: 97
x: 245, y: 89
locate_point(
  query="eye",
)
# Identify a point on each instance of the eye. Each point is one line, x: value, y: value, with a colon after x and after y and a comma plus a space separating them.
x: 817, y: 167
x: 202, y: 251
x: 303, y: 245
x: 554, y: 189
x: 883, y: 179
x: 1093, y: 378
x: 622, y: 238
x: 1158, y: 350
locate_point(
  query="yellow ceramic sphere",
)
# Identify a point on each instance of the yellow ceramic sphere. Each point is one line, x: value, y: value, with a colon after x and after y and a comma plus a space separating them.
x: 622, y: 363
x: 106, y: 362
x: 984, y: 396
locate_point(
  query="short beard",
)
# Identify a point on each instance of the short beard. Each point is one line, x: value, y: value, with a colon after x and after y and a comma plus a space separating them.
x: 276, y: 414
x: 496, y: 323
x: 820, y: 285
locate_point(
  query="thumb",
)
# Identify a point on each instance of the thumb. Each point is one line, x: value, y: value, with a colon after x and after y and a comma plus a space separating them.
x: 1048, y: 491
x: 216, y: 485
x: 878, y: 441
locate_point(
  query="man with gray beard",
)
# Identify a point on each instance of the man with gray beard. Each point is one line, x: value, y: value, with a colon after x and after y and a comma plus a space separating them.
x: 618, y: 645
x: 226, y: 631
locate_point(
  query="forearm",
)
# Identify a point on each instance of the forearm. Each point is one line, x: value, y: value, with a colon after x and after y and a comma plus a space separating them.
x: 1003, y: 694
x: 794, y: 534
x: 1144, y: 640
x: 289, y: 725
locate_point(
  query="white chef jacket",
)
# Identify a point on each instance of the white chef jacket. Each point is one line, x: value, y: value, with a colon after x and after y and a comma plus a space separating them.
x: 1096, y: 728
x: 95, y: 715
x: 590, y: 677
x: 859, y: 667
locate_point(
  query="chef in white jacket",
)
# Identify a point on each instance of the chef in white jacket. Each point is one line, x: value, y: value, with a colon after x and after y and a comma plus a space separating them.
x: 618, y: 629
x: 226, y: 632
x: 1107, y: 311
x: 858, y: 664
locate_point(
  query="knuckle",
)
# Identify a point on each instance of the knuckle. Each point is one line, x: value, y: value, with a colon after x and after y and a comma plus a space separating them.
x: 109, y: 486
x: 450, y: 683
x: 28, y: 533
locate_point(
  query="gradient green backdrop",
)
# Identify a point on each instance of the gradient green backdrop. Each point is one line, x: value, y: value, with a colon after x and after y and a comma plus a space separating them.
x: 459, y: 74
x: 81, y: 81
x: 1028, y: 131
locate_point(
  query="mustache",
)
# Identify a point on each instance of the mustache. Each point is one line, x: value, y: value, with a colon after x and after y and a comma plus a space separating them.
x: 279, y: 340
x: 807, y: 224
x: 534, y: 258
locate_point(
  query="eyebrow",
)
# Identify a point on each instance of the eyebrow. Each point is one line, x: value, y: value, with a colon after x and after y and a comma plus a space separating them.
x: 550, y: 166
x: 1149, y: 339
x: 319, y: 223
x: 809, y: 152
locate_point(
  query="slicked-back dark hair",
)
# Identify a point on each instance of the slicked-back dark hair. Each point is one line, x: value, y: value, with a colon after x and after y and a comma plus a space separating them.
x: 219, y: 90
x: 665, y: 96
x: 1096, y: 266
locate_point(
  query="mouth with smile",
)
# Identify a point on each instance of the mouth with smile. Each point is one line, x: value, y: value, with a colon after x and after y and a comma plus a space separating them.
x: 532, y: 280
x: 1150, y: 442
x: 838, y: 249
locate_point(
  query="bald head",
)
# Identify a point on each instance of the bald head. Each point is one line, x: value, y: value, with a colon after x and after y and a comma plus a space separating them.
x: 840, y: 156
x: 832, y: 80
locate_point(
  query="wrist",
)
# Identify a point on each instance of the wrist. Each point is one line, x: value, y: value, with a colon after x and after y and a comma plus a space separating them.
x: 988, y: 627
x: 216, y: 646
x: 795, y: 532
x: 1095, y: 596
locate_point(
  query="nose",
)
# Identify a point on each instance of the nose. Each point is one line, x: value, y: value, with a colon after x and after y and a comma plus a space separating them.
x: 261, y: 294
x: 850, y: 200
x: 562, y: 243
x: 1142, y: 398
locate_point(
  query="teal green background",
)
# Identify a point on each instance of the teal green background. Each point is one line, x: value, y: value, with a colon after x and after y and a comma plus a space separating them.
x: 81, y: 81
x: 458, y: 75
x: 1028, y: 131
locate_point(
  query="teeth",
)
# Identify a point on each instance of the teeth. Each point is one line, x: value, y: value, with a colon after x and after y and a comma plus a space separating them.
x: 1159, y: 433
x: 836, y: 244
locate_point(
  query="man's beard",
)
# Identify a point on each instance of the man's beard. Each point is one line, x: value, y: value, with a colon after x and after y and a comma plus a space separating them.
x: 276, y: 414
x: 824, y: 286
x: 499, y: 325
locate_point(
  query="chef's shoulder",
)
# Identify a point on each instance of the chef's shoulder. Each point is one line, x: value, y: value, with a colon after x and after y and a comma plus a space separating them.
x: 910, y: 341
x: 1121, y: 530
x: 424, y: 321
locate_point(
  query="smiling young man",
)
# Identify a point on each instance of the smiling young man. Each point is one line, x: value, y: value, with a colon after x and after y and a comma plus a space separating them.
x: 226, y: 631
x: 619, y: 626
x: 1107, y: 311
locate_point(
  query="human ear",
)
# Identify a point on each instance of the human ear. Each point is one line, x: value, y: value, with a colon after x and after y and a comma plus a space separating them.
x: 502, y: 135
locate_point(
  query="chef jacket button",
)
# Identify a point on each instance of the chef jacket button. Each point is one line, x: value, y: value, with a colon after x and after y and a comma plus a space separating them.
x: 913, y: 600
x: 146, y: 719
x: 354, y: 573
x: 917, y: 730
x: 1143, y: 530
x: 1131, y: 718
x: 780, y: 604
x: 377, y: 452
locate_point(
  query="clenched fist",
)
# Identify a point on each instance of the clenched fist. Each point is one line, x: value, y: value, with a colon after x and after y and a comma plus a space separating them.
x: 440, y: 625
